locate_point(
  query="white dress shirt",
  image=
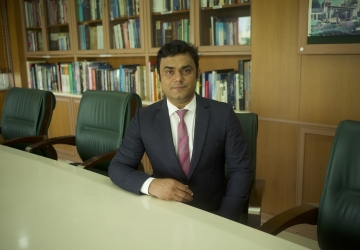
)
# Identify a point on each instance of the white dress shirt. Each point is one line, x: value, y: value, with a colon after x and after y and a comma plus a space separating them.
x: 174, y: 122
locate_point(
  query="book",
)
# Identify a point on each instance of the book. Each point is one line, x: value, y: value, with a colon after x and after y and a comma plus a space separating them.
x: 247, y: 84
x: 126, y: 35
x: 32, y: 84
x: 125, y: 76
x: 241, y: 88
x: 244, y: 32
x: 231, y: 89
x: 152, y: 81
x: 220, y: 76
x: 64, y: 72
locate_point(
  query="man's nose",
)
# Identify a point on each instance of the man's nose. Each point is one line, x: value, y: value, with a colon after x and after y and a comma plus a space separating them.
x: 178, y: 76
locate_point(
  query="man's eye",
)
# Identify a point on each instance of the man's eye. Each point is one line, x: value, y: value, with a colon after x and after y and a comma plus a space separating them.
x: 169, y: 72
x: 186, y: 71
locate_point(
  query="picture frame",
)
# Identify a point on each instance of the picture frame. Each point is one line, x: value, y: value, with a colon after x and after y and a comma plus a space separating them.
x: 338, y: 45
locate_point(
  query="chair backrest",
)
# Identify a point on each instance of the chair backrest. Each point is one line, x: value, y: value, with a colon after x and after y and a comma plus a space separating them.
x: 102, y: 120
x: 26, y: 112
x: 339, y: 208
x: 249, y: 124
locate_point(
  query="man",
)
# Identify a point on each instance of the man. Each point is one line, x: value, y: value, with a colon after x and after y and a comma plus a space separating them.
x: 213, y: 138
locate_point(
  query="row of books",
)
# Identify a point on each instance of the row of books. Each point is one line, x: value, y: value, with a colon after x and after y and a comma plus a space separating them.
x: 57, y: 11
x: 169, y: 31
x: 34, y: 40
x: 121, y: 8
x: 212, y: 3
x: 89, y: 10
x: 91, y: 37
x: 127, y: 34
x: 170, y: 5
x: 230, y: 31
x: 228, y: 85
x: 32, y: 14
x: 77, y: 77
x: 60, y: 41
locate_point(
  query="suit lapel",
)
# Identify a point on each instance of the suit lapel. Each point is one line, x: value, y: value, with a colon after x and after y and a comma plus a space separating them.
x: 163, y: 123
x: 201, y: 128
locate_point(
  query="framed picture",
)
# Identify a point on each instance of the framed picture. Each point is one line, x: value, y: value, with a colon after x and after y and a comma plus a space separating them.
x: 329, y: 27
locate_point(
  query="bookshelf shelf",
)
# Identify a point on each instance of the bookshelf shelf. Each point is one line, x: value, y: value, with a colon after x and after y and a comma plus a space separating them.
x: 90, y: 22
x: 34, y: 28
x: 125, y: 18
x: 58, y: 25
x: 173, y: 12
x: 225, y: 6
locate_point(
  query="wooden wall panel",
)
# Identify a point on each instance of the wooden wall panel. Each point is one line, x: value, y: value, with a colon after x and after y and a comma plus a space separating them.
x: 3, y: 94
x: 220, y: 62
x: 275, y: 62
x: 330, y: 88
x: 17, y: 46
x: 277, y: 164
x: 317, y: 152
x: 289, y: 89
x: 62, y: 123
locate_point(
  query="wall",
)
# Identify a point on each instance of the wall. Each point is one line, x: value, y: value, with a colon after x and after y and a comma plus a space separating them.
x: 300, y: 99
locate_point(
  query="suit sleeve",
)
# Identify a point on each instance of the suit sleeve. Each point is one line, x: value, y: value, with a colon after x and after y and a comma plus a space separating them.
x: 239, y: 170
x: 123, y: 167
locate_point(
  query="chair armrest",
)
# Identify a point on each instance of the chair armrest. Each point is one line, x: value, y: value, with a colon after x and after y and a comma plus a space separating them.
x: 27, y: 139
x: 255, y: 199
x: 302, y: 214
x: 68, y: 140
x: 97, y: 159
x: 149, y: 172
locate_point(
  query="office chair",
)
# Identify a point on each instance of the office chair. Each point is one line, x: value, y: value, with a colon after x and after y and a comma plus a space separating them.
x: 337, y: 216
x: 102, y: 120
x: 26, y: 118
x: 251, y: 214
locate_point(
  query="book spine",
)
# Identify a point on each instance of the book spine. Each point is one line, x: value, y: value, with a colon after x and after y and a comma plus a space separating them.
x: 247, y: 83
x: 241, y: 89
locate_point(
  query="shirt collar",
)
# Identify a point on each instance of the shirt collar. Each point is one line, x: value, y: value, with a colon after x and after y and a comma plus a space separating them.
x: 191, y: 106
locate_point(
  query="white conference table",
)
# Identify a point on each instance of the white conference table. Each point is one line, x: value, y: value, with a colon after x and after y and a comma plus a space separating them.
x: 46, y: 204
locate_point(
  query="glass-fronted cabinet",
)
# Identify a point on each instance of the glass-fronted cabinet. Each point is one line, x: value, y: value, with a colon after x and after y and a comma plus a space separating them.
x: 169, y: 20
x: 224, y: 25
x: 90, y: 25
x: 57, y: 25
x: 33, y: 26
x: 124, y: 24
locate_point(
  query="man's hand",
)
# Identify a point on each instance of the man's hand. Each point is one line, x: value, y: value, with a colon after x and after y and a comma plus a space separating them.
x: 170, y: 190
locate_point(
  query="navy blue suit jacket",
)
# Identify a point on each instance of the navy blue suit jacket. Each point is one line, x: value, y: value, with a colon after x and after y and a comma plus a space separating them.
x: 218, y: 140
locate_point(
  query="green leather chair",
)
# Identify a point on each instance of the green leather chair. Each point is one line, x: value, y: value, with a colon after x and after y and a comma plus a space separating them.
x: 251, y: 215
x: 26, y: 118
x: 338, y: 215
x: 102, y: 120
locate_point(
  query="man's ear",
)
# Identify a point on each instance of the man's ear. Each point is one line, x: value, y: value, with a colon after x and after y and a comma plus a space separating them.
x: 198, y: 72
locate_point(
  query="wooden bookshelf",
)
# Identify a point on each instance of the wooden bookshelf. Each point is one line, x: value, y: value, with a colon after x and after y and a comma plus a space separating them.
x: 82, y: 20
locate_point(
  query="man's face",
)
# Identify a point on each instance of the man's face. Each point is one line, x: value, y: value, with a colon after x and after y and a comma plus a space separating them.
x: 178, y: 79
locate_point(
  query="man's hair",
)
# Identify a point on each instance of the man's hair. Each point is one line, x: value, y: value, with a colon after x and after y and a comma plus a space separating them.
x: 176, y: 47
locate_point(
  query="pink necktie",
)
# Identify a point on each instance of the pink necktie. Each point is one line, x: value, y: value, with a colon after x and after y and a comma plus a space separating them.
x: 183, y: 143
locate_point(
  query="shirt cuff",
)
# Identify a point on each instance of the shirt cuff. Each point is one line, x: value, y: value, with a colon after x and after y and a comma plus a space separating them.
x: 145, y: 187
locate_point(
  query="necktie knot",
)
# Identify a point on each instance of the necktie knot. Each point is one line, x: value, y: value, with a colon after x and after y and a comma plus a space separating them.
x: 181, y: 113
